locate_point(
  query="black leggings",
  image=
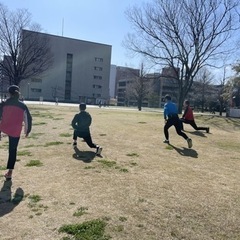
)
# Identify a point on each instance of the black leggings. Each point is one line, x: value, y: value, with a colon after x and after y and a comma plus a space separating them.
x: 192, y: 123
x: 12, y: 151
x: 176, y: 123
x: 86, y: 137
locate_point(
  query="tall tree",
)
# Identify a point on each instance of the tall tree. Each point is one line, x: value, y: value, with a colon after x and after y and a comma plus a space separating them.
x: 201, y: 87
x: 185, y: 35
x: 23, y: 53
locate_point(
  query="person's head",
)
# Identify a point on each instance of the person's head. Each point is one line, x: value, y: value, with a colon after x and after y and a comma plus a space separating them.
x: 82, y: 106
x: 167, y: 98
x: 186, y: 103
x: 13, y: 90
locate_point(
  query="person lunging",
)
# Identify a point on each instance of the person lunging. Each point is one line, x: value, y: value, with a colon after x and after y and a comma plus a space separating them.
x: 171, y: 119
x: 188, y: 118
x: 81, y: 125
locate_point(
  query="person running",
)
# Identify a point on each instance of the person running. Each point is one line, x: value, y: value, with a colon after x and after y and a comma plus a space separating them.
x: 172, y: 119
x: 81, y: 123
x: 13, y: 113
x: 188, y: 118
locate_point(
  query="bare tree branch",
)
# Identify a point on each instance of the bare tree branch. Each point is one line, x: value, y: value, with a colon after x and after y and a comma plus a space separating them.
x: 23, y: 53
x: 185, y: 35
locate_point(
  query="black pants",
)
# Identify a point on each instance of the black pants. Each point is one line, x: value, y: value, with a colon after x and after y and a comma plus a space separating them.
x: 86, y: 137
x: 12, y: 151
x: 192, y: 123
x: 174, y: 121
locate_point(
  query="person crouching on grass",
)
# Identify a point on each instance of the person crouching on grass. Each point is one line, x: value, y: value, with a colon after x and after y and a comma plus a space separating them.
x: 188, y: 118
x: 12, y: 114
x: 172, y: 119
x: 81, y: 123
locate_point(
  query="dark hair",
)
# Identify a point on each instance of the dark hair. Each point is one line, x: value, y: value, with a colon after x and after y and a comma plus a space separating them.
x: 82, y: 106
x: 187, y: 102
x: 168, y: 97
x: 13, y: 89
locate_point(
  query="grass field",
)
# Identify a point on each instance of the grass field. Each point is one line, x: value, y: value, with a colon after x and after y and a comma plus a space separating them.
x: 140, y: 188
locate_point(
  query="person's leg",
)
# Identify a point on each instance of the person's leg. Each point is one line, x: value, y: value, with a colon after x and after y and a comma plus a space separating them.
x: 88, y: 140
x: 182, y: 134
x: 12, y: 155
x: 168, y: 124
x: 75, y: 136
x: 194, y: 125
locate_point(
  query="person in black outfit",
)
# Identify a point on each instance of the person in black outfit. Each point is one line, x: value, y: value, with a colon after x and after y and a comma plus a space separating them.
x: 81, y: 123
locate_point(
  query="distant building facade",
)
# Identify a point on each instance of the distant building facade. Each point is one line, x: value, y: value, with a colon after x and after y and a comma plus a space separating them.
x: 80, y: 73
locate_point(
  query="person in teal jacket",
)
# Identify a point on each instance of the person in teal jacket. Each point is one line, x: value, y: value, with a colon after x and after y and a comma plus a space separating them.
x: 12, y: 114
x: 81, y: 125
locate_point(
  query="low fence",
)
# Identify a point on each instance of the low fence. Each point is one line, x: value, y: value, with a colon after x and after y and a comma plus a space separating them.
x: 234, y: 112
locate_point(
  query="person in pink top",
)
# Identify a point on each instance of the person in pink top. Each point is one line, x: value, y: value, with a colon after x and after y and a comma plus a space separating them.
x: 188, y: 118
x: 12, y: 114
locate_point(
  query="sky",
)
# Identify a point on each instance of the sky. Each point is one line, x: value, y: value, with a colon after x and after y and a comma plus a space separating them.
x: 101, y: 21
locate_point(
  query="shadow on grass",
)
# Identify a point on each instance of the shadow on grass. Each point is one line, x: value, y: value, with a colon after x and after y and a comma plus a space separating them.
x: 185, y: 151
x: 85, y: 156
x: 197, y: 133
x: 7, y: 203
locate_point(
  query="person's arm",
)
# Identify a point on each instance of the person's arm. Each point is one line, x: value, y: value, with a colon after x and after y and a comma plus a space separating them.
x: 27, y: 122
x: 185, y: 112
x: 74, y: 122
x: 165, y: 112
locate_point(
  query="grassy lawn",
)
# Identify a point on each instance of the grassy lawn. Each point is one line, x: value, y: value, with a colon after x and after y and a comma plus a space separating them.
x: 140, y: 188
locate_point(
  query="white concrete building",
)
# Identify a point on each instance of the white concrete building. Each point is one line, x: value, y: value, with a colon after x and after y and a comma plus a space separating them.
x: 80, y: 72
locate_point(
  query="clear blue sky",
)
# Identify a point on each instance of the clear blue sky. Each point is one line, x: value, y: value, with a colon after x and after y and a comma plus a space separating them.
x: 102, y: 21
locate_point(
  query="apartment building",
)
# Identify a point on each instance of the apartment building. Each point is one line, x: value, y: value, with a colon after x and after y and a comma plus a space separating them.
x: 80, y: 72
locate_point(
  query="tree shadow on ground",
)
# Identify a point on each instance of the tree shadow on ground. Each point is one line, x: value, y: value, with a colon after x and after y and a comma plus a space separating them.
x: 85, y: 156
x: 7, y: 203
x: 188, y: 152
x: 197, y: 133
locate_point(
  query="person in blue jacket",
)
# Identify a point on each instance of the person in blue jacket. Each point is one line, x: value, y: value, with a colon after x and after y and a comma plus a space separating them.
x: 172, y: 119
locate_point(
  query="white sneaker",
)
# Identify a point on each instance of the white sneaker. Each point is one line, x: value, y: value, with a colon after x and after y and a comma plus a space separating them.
x: 99, y: 150
x: 189, y: 141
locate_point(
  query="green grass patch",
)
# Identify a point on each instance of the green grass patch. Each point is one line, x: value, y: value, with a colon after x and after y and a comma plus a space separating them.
x: 34, y: 198
x: 65, y: 134
x: 132, y: 154
x: 107, y: 163
x: 3, y: 168
x: 24, y: 153
x: 35, y: 135
x: 29, y: 146
x: 34, y: 163
x: 80, y: 211
x: 123, y: 170
x: 169, y: 147
x: 52, y: 144
x: 89, y: 230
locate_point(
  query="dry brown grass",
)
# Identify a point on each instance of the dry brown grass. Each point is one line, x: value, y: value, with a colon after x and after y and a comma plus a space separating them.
x: 141, y: 187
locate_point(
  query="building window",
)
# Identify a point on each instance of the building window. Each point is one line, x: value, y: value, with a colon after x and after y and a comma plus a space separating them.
x: 36, y: 90
x: 37, y: 80
x: 68, y: 79
x: 98, y: 68
x: 98, y: 59
x: 97, y: 86
x: 122, y: 84
x: 97, y: 77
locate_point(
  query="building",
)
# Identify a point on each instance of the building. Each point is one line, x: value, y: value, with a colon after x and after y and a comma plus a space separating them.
x: 124, y: 76
x: 80, y: 72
